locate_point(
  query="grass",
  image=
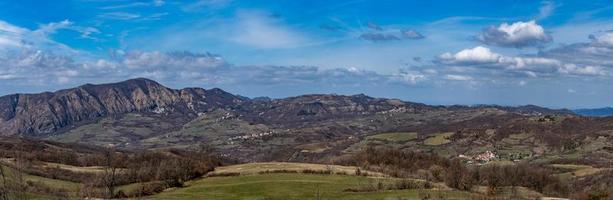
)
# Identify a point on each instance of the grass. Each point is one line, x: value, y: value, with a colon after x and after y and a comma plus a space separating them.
x: 509, y: 192
x: 576, y: 171
x: 394, y: 136
x: 71, y: 187
x: 254, y: 168
x: 291, y: 186
x: 90, y: 169
x: 439, y: 139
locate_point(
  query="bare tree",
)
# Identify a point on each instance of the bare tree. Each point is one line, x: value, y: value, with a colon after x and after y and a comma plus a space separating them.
x: 3, y: 187
x: 19, y: 187
x: 112, y: 168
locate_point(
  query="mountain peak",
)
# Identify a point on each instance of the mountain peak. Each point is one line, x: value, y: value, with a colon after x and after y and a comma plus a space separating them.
x: 140, y: 80
x: 48, y: 112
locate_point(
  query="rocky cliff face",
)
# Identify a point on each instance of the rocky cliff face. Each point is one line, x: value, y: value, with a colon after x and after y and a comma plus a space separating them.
x: 35, y: 114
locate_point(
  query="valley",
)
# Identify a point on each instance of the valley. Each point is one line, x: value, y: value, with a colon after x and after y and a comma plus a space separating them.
x: 294, y: 145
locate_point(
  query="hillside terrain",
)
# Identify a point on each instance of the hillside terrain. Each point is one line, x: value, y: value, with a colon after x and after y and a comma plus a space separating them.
x: 142, y: 114
x: 51, y: 170
x: 595, y: 112
x: 67, y: 135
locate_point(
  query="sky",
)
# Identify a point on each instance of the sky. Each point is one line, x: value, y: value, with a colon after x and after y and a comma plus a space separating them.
x: 557, y: 54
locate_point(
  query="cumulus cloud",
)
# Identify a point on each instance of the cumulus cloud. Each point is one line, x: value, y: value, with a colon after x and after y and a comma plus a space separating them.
x: 518, y: 35
x: 411, y: 77
x: 598, y: 52
x: 47, y: 67
x: 603, y: 38
x: 478, y: 54
x: 203, y: 68
x: 481, y: 59
x: 587, y: 70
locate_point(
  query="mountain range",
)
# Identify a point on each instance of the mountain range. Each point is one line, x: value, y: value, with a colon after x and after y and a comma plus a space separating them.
x: 595, y: 112
x: 143, y: 114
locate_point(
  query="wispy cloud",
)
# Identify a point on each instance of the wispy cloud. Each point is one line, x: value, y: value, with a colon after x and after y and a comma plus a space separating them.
x: 256, y: 29
x: 379, y: 33
x: 201, y: 5
x: 546, y: 10
x: 119, y: 15
x: 156, y: 3
x: 13, y: 37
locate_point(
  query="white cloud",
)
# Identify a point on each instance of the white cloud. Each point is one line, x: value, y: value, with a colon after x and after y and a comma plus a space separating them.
x: 261, y: 31
x: 480, y: 59
x: 38, y: 66
x: 586, y: 70
x: 52, y: 27
x: 545, y: 10
x: 409, y: 76
x: 173, y: 61
x: 478, y: 54
x: 13, y: 38
x: 200, y: 5
x: 10, y: 35
x: 519, y: 34
x: 119, y: 15
x: 603, y: 38
x: 456, y: 77
x: 412, y: 34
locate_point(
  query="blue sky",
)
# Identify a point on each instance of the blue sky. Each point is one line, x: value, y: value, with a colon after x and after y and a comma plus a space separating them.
x: 549, y: 53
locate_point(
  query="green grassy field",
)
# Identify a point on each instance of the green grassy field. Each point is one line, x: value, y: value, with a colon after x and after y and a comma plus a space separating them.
x: 255, y: 168
x: 292, y: 186
x: 438, y: 139
x: 394, y: 137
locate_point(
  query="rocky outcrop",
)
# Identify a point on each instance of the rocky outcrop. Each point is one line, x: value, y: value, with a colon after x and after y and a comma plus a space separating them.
x: 44, y: 113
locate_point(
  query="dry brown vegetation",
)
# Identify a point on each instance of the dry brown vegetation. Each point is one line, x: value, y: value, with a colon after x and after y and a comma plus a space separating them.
x: 496, y: 178
x: 109, y: 171
x: 151, y: 171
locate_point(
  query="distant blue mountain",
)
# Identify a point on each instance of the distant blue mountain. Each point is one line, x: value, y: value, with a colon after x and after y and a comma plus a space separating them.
x: 595, y: 112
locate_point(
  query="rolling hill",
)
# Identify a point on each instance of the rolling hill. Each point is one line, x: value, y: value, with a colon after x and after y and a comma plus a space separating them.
x: 65, y: 135
x: 143, y: 114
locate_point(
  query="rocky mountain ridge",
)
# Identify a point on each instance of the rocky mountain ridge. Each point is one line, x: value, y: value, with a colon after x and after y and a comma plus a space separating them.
x: 49, y: 112
x: 45, y: 113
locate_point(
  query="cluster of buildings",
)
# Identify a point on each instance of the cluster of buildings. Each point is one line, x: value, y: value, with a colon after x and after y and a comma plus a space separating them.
x: 481, y: 158
x: 252, y: 136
